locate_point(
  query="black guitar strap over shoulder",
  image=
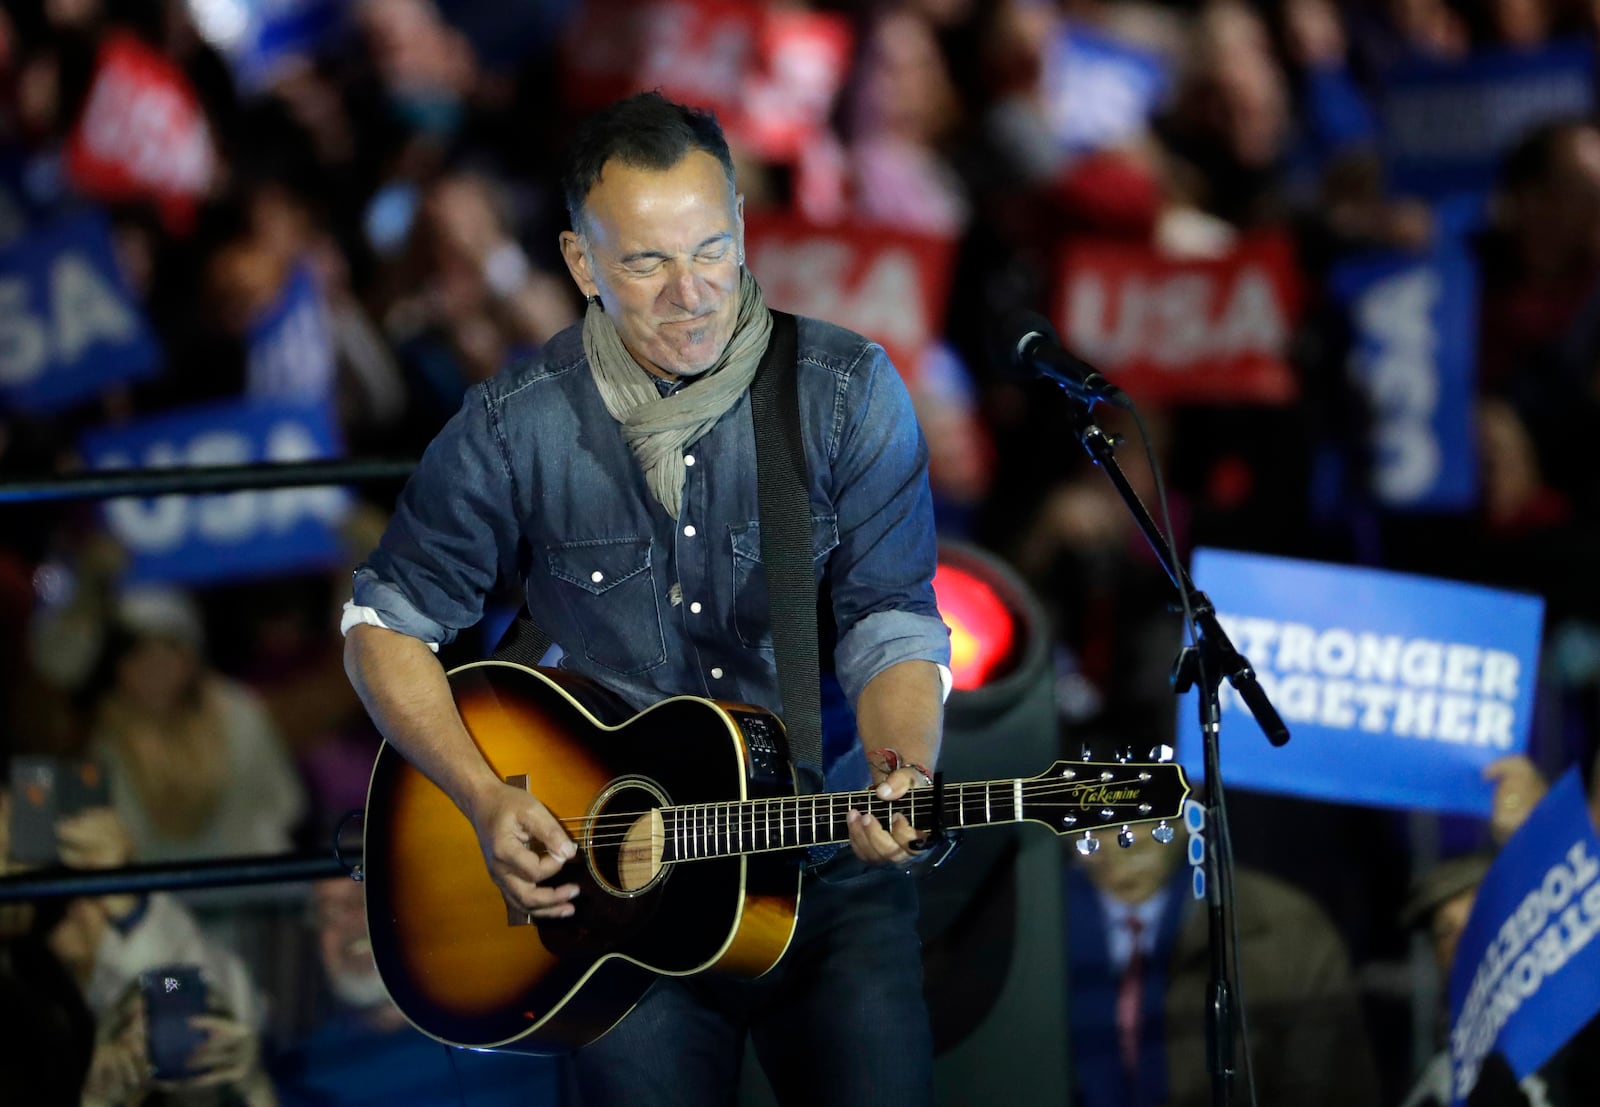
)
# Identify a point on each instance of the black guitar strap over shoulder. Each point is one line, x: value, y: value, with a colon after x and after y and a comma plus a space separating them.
x: 785, y: 512
x: 785, y: 502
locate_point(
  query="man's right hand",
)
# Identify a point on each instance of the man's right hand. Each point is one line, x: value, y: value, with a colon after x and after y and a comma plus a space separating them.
x: 524, y: 846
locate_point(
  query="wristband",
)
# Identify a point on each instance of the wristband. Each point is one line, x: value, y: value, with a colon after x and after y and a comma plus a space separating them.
x: 887, y: 761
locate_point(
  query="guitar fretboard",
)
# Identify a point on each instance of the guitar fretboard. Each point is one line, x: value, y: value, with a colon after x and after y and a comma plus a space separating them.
x: 793, y: 822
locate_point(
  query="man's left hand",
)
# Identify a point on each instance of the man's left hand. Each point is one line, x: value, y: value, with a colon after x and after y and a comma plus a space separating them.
x: 879, y: 845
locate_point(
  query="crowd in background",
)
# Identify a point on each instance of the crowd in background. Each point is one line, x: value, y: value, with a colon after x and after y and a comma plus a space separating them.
x: 397, y: 166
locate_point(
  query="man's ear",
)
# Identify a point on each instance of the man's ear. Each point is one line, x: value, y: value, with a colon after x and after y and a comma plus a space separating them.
x: 577, y: 259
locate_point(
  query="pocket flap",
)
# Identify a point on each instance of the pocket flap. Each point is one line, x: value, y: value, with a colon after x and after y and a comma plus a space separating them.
x: 599, y: 565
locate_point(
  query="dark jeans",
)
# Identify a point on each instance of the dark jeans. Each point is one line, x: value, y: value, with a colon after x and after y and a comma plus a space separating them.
x: 840, y: 1020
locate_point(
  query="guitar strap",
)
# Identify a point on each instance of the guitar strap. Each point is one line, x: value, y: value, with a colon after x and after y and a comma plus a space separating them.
x: 785, y: 503
x: 785, y: 513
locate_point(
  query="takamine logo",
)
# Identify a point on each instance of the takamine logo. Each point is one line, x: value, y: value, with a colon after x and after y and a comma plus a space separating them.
x: 1099, y: 795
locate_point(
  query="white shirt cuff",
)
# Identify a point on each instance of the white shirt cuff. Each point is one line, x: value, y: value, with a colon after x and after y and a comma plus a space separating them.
x: 354, y: 614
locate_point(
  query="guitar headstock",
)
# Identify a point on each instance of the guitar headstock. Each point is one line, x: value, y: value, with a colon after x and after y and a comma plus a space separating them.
x: 1080, y: 797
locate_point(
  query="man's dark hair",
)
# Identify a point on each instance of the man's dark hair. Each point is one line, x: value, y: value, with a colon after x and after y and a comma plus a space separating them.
x: 646, y: 131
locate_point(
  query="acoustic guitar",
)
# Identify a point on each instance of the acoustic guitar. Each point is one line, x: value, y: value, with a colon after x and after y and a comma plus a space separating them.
x: 690, y: 842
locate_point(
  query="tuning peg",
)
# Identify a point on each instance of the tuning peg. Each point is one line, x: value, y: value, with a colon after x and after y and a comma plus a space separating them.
x: 1162, y: 752
x: 1085, y: 753
x: 1124, y: 755
x: 1125, y: 837
x: 1088, y: 843
x: 1162, y: 832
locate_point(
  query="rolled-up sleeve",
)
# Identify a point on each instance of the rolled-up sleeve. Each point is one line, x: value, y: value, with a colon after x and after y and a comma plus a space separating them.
x: 453, y: 535
x: 882, y: 569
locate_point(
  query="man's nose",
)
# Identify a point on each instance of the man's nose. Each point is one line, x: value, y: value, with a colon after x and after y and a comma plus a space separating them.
x: 686, y: 289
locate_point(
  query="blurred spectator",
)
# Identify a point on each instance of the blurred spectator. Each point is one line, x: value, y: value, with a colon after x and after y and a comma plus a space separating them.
x: 904, y: 109
x: 84, y: 957
x: 1441, y: 903
x: 1542, y: 254
x: 109, y: 942
x: 1137, y: 968
x: 196, y: 768
x: 362, y: 1051
x: 1095, y: 572
x: 1229, y: 123
x: 47, y: 1033
x: 470, y: 299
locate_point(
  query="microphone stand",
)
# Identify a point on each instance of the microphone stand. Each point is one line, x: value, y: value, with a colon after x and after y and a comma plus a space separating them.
x: 1203, y: 666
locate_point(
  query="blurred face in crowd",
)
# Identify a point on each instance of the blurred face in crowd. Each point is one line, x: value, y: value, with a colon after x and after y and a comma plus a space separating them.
x: 1242, y: 92
x: 1134, y: 874
x: 662, y: 250
x: 905, y: 90
x: 1510, y: 464
x: 1431, y: 26
x: 1449, y: 920
x: 158, y: 673
x: 344, y: 945
x: 1556, y: 218
x: 1521, y: 23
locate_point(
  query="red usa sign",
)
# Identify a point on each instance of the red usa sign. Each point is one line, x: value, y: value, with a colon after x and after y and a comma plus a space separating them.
x: 888, y: 285
x: 770, y: 75
x: 141, y: 133
x: 1179, y: 330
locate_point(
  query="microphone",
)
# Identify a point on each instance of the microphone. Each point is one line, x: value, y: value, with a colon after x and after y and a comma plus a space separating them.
x: 1032, y: 344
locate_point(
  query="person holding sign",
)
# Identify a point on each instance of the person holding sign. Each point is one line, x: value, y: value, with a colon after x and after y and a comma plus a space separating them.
x: 1535, y: 981
x: 614, y: 477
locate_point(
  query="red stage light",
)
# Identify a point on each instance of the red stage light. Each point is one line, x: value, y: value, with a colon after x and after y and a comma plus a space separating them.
x: 983, y: 630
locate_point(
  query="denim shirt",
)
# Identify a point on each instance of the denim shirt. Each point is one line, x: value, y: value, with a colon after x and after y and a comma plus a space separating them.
x: 532, y: 481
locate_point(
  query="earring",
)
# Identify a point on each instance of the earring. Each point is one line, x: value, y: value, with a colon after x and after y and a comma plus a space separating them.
x: 591, y: 299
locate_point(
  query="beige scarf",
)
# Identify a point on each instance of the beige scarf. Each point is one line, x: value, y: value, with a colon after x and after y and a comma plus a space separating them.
x: 658, y: 427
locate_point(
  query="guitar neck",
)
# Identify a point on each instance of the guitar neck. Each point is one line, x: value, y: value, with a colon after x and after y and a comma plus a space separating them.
x: 792, y: 822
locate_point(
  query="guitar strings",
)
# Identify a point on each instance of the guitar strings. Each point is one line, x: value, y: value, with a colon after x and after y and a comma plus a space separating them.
x: 731, y: 818
x: 1030, y: 789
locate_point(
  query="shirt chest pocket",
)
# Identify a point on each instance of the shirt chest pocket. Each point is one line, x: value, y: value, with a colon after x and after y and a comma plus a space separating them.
x: 607, y: 587
x: 752, y: 617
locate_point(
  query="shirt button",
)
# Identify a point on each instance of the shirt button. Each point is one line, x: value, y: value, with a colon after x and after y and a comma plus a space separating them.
x: 716, y: 673
x: 688, y: 531
x: 688, y: 459
x: 597, y: 576
x: 695, y: 607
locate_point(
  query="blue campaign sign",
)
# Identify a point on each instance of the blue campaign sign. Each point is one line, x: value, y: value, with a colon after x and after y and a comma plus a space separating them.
x: 291, y: 345
x: 1100, y: 90
x: 1446, y: 125
x: 210, y: 538
x: 1414, y: 327
x: 69, y: 324
x: 1526, y: 976
x: 1397, y: 689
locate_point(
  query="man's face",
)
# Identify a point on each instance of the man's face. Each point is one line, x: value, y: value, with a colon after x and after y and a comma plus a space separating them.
x: 1134, y: 874
x: 661, y: 249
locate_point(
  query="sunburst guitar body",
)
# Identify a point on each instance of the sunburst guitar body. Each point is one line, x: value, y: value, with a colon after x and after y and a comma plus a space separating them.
x: 690, y: 846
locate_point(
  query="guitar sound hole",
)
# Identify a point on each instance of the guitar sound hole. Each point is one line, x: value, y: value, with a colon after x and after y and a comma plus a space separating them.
x: 626, y: 839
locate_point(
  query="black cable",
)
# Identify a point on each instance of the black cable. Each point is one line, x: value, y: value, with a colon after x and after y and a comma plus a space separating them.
x: 1224, y: 875
x: 450, y: 1055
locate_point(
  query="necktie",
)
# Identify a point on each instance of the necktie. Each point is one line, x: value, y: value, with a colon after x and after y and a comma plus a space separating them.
x: 1128, y: 994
